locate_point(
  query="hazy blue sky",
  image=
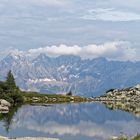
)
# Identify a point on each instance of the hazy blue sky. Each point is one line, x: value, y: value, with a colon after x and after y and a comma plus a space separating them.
x: 106, y: 25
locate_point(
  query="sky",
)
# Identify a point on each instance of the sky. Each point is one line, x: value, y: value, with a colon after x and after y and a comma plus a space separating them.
x: 86, y: 28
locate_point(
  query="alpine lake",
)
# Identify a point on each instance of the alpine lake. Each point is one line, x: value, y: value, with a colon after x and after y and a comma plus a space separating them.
x: 70, y: 121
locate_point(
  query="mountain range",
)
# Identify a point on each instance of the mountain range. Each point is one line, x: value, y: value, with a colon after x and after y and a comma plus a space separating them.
x: 88, y: 77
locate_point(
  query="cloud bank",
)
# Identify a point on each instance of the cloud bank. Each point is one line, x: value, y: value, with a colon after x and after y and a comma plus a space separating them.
x: 111, y: 50
x: 111, y: 15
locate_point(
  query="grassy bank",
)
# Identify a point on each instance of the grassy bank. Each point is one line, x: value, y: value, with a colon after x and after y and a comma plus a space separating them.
x: 34, y: 97
x: 12, y: 93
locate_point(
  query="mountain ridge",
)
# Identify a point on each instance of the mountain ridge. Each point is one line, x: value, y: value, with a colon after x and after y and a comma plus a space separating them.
x: 89, y: 77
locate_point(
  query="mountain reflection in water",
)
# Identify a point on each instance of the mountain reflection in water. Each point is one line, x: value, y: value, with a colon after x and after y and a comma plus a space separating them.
x: 86, y: 121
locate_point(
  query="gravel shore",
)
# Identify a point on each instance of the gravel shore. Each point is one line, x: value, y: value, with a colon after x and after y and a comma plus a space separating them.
x: 27, y: 138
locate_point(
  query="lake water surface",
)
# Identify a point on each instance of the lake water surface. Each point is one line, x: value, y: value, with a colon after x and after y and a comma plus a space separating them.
x: 85, y: 121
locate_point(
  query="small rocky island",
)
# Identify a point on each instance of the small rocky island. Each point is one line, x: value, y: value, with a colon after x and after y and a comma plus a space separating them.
x: 127, y: 99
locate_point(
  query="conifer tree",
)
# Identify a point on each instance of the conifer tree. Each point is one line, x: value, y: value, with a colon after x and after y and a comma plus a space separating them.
x: 10, y: 81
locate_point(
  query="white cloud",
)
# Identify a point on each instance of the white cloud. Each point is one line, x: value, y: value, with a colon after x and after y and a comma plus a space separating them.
x: 110, y: 50
x: 91, y: 129
x: 58, y: 50
x: 110, y: 15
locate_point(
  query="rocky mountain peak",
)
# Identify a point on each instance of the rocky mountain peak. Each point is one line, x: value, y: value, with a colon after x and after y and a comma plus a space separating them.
x: 86, y: 77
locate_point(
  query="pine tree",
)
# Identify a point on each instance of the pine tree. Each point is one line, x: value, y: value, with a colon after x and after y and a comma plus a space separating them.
x: 9, y: 91
x: 10, y: 81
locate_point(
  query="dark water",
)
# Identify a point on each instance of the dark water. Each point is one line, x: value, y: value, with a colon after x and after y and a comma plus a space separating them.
x: 86, y: 121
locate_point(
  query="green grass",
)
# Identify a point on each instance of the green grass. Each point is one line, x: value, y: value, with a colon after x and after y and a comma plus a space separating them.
x: 36, y: 94
x: 34, y: 97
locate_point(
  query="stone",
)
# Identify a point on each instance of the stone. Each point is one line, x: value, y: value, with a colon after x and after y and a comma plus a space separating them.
x: 4, y: 103
x: 4, y: 108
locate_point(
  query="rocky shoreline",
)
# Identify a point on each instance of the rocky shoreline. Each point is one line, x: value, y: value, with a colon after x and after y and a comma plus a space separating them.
x: 131, y: 94
x: 127, y: 99
x: 43, y: 138
x: 27, y: 138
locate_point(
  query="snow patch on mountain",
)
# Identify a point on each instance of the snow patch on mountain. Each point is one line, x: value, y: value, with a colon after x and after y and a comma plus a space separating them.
x: 65, y: 73
x: 41, y: 80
